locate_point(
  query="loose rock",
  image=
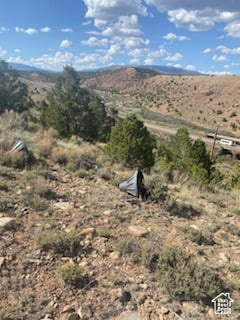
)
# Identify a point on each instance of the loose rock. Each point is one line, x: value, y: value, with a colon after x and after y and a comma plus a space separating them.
x: 137, y: 231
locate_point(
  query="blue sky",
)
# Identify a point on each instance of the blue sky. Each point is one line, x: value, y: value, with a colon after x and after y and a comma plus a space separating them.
x: 202, y: 35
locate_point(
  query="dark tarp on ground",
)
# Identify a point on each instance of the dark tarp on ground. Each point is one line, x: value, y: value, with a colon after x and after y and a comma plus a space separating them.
x: 134, y: 185
x: 20, y: 145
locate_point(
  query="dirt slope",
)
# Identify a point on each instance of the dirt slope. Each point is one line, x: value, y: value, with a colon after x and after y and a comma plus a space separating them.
x: 209, y: 101
x: 31, y: 287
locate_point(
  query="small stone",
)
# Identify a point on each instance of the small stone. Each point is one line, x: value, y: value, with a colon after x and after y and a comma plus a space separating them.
x: 85, y: 312
x: 7, y: 223
x: 68, y: 308
x: 144, y: 286
x: 114, y: 255
x: 83, y: 264
x: 137, y: 231
x: 88, y: 232
x: 73, y: 316
x: 107, y: 212
x: 2, y: 260
x: 130, y: 315
x: 64, y: 205
x: 191, y: 308
x: 164, y: 310
x: 38, y: 254
x: 47, y: 317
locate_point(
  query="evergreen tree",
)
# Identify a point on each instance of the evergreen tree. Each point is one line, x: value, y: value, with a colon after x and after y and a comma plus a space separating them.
x: 200, y: 164
x: 73, y: 110
x: 187, y: 156
x: 13, y: 92
x: 131, y: 143
x: 180, y: 147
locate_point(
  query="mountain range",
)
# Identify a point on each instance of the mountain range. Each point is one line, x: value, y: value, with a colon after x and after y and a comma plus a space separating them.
x: 158, y: 69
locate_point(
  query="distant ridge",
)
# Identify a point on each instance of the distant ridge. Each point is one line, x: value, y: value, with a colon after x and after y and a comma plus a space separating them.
x: 170, y: 70
x: 159, y: 69
x: 23, y: 67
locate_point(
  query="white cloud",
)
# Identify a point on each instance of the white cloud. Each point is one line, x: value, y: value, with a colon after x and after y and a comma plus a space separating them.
x: 149, y: 61
x: 227, y: 50
x: 192, y: 20
x: 2, y: 52
x: 29, y: 31
x: 107, y: 11
x: 134, y: 61
x: 60, y: 59
x: 65, y: 44
x: 207, y: 50
x: 86, y: 23
x: 219, y: 58
x: 125, y: 26
x: 131, y: 43
x: 177, y: 65
x: 137, y: 52
x: 233, y: 29
x: 220, y: 73
x: 223, y: 6
x: 46, y: 29
x: 93, y: 41
x: 3, y: 29
x: 16, y: 60
x: 190, y: 67
x: 114, y: 49
x: 149, y: 56
x: 201, y: 15
x: 67, y: 30
x: 175, y: 57
x: 172, y: 37
x: 17, y: 50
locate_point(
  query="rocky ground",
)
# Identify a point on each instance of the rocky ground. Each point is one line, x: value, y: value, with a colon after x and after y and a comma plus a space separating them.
x: 53, y: 200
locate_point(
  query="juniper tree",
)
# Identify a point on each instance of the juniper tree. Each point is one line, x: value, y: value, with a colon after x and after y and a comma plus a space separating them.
x: 73, y: 110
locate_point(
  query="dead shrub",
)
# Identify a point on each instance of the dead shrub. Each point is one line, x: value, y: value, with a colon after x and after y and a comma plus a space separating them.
x: 59, y: 155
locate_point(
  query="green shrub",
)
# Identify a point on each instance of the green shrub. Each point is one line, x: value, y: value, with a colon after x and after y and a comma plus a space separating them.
x: 186, y: 280
x: 72, y: 275
x: 130, y: 246
x: 3, y: 205
x: 17, y: 159
x: 4, y: 186
x: 131, y: 143
x: 156, y: 188
x: 6, y: 316
x: 193, y: 234
x: 36, y: 202
x: 141, y: 252
x: 149, y: 256
x: 104, y: 233
x: 184, y: 155
x: 66, y: 244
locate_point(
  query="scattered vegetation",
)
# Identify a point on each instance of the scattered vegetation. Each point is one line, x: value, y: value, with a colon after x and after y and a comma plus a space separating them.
x: 131, y: 143
x: 66, y: 244
x: 186, y: 280
x: 184, y: 155
x: 72, y: 274
x: 17, y: 160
